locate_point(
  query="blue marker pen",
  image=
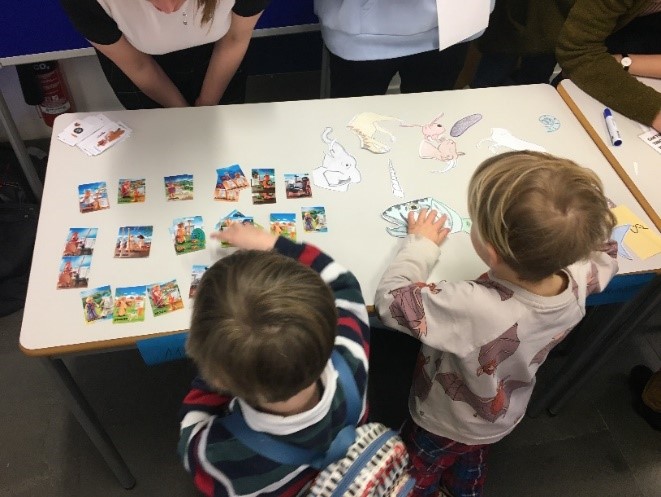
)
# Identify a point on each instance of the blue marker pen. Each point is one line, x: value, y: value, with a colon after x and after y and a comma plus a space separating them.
x: 614, y: 133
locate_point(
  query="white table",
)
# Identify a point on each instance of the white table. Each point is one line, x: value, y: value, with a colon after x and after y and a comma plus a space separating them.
x: 285, y: 136
x: 636, y: 162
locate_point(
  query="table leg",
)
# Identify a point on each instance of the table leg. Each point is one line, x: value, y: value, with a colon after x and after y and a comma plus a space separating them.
x: 583, y: 362
x: 20, y: 150
x: 83, y: 412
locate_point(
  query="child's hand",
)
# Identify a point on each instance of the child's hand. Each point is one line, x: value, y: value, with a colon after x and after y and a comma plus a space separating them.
x: 246, y: 236
x: 426, y: 225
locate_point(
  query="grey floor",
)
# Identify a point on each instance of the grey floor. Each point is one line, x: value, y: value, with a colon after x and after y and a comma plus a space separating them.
x: 596, y: 446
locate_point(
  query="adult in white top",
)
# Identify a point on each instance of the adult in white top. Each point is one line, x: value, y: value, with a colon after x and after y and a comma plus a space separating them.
x: 167, y: 53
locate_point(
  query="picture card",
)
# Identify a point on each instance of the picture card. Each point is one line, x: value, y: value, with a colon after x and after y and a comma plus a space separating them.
x: 179, y: 187
x: 230, y: 180
x: 196, y: 276
x: 314, y: 219
x: 188, y: 234
x: 74, y: 271
x: 101, y: 140
x: 130, y: 304
x: 133, y: 241
x: 164, y: 297
x: 298, y: 185
x: 131, y: 191
x: 230, y: 219
x: 80, y: 241
x: 263, y: 186
x: 283, y: 224
x: 97, y: 303
x: 93, y: 197
x: 80, y: 129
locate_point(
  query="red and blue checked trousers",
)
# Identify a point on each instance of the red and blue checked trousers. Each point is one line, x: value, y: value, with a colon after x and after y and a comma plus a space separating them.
x: 438, y: 462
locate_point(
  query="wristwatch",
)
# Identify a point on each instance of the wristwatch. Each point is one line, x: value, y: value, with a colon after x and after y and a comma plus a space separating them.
x: 625, y: 61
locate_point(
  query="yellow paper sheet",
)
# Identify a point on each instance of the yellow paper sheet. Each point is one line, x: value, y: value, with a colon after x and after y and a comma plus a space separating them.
x: 643, y: 240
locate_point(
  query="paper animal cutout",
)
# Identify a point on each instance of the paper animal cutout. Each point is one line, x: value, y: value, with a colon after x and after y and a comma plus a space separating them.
x: 618, y: 234
x: 366, y: 126
x: 551, y: 123
x: 500, y: 137
x: 462, y: 125
x: 394, y: 182
x: 338, y: 167
x: 398, y: 214
x: 436, y: 146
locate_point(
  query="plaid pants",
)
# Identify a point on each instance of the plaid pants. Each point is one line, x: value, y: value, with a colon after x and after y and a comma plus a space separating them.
x: 440, y: 462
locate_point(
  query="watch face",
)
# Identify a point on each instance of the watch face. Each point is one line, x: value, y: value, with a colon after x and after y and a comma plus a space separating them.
x: 626, y: 61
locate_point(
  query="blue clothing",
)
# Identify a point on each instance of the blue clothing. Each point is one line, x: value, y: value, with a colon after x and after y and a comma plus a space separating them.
x: 379, y: 29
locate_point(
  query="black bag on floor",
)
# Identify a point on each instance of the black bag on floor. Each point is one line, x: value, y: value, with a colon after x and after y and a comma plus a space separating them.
x: 18, y: 228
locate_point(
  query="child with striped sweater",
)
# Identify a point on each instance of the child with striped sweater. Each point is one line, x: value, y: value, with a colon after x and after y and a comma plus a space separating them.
x: 265, y: 322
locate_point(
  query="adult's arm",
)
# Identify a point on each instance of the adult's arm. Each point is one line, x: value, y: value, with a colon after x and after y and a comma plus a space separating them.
x: 582, y: 54
x: 226, y: 57
x: 102, y: 32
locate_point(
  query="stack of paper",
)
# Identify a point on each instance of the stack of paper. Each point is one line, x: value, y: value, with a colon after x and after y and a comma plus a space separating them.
x: 94, y: 134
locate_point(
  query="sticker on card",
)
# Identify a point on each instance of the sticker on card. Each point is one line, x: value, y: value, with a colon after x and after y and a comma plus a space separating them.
x: 133, y: 241
x: 298, y: 185
x: 283, y: 224
x: 130, y: 304
x: 196, y: 277
x: 263, y: 186
x: 97, y: 304
x: 74, y: 271
x: 179, y: 187
x: 131, y: 191
x: 188, y: 234
x: 314, y: 219
x: 80, y: 241
x: 93, y: 197
x: 164, y: 297
x: 234, y: 217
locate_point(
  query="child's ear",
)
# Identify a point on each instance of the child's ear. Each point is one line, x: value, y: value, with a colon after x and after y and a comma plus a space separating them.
x: 493, y: 258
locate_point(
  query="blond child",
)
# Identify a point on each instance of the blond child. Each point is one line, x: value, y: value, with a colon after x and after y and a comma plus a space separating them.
x: 265, y: 322
x: 540, y: 223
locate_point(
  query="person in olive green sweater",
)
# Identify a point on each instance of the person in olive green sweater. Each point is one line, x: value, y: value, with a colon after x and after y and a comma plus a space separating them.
x: 595, y: 38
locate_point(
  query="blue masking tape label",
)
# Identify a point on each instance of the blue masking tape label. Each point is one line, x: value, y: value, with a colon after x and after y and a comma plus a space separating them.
x: 163, y: 349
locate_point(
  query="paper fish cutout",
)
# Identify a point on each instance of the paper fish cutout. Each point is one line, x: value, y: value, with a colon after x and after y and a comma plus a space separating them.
x: 398, y: 214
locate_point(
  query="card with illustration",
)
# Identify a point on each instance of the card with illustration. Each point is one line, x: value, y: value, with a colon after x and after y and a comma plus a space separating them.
x: 97, y: 303
x: 314, y: 219
x: 130, y: 304
x: 131, y: 191
x: 78, y: 130
x: 164, y: 297
x: 80, y: 241
x: 74, y: 271
x: 133, y: 241
x: 101, y: 140
x: 283, y: 224
x: 196, y: 276
x: 230, y: 180
x: 262, y: 183
x: 179, y: 187
x: 188, y: 234
x: 232, y: 218
x: 93, y: 197
x: 298, y: 185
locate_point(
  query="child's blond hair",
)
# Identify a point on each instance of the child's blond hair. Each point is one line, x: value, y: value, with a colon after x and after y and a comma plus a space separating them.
x: 263, y: 326
x: 540, y: 213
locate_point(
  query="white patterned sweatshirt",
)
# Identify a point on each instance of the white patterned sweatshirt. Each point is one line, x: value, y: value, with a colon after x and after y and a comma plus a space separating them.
x: 482, y: 340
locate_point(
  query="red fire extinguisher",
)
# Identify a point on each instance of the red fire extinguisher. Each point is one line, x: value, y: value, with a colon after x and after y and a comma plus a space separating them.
x: 56, y: 96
